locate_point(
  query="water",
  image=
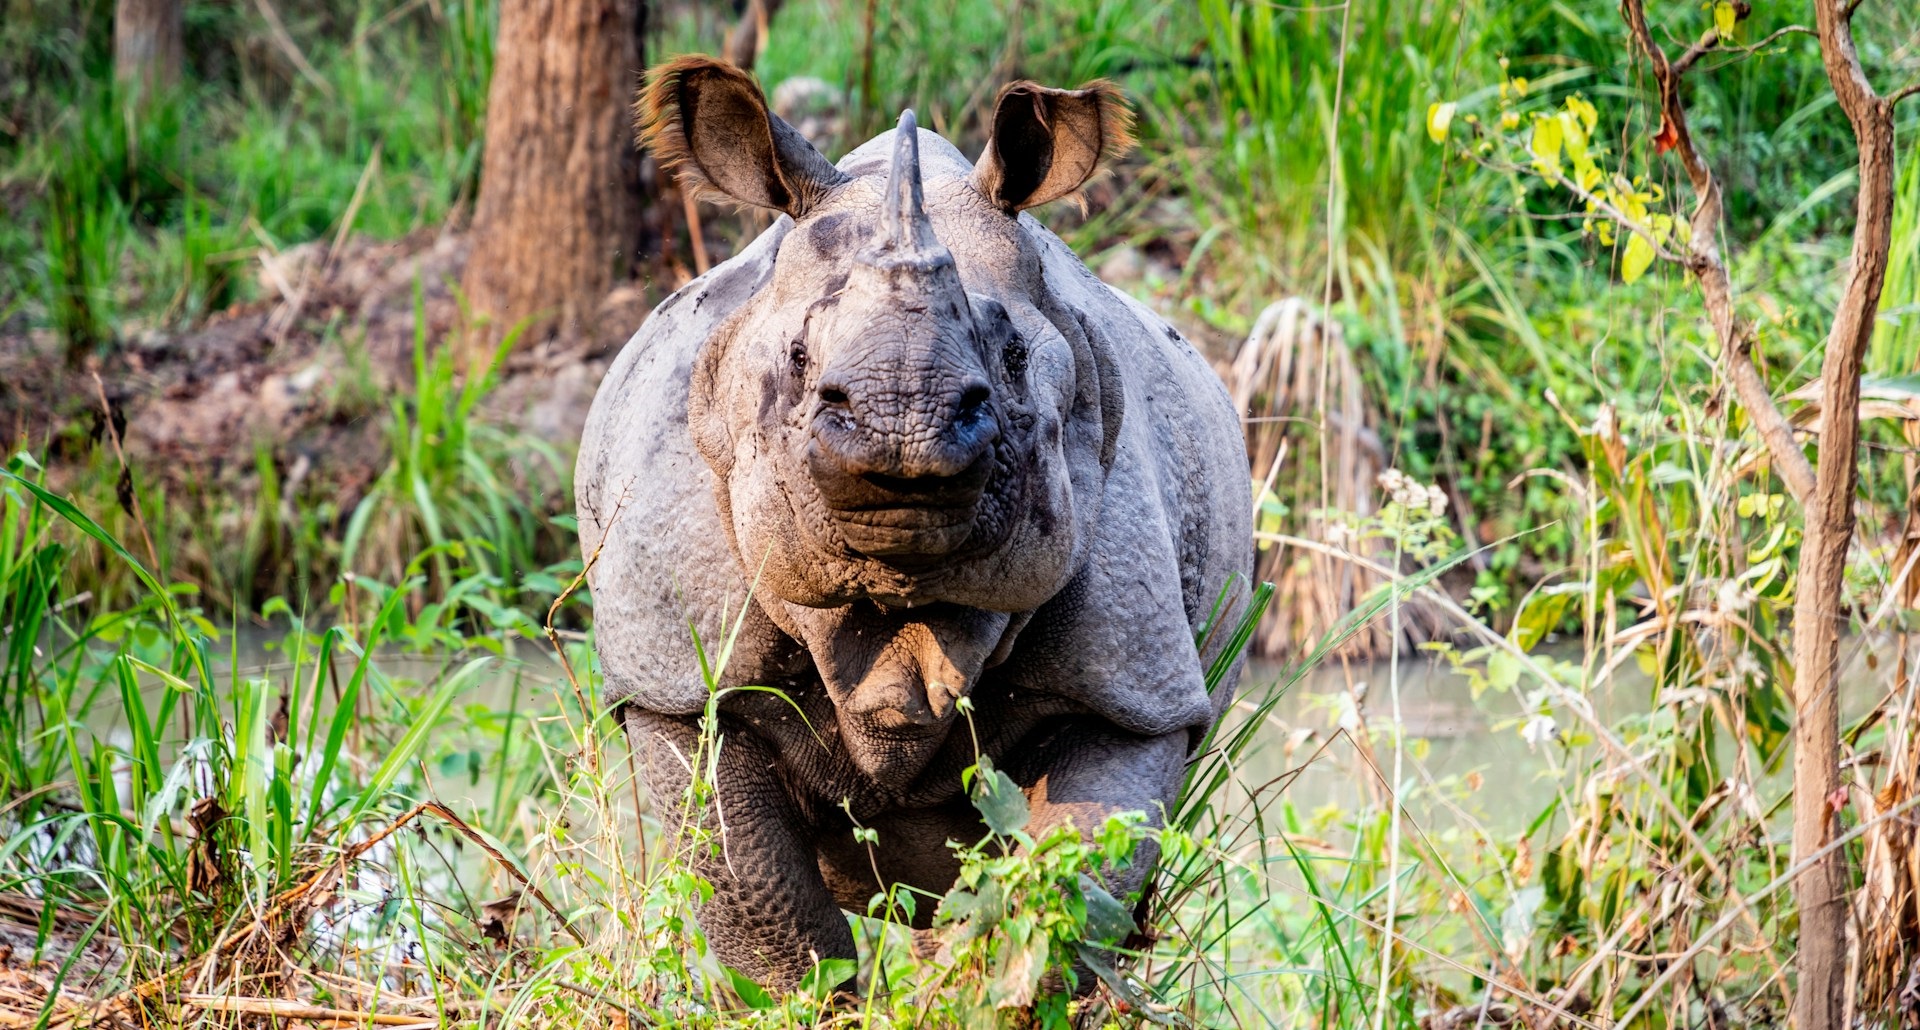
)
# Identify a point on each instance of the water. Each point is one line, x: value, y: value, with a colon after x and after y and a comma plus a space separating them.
x: 1308, y: 735
x: 1465, y: 760
x: 1466, y: 748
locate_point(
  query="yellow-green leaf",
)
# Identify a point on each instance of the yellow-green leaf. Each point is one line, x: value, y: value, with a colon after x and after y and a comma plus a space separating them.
x: 1636, y: 260
x: 1724, y: 19
x: 1588, y: 114
x: 1546, y: 145
x: 1574, y: 137
x: 1439, y: 116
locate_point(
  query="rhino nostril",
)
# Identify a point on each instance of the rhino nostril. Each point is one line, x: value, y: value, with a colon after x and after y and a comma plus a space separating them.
x: 974, y: 398
x: 833, y: 395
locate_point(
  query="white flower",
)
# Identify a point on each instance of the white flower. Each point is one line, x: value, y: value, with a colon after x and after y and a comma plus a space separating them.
x: 1411, y: 494
x: 1732, y: 596
x: 1541, y: 729
x: 1349, y: 719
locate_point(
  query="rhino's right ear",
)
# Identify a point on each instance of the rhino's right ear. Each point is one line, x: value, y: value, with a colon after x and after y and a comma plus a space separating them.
x: 708, y: 122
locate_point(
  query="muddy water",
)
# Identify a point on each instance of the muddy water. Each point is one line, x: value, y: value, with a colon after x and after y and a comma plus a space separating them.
x: 1449, y: 732
x: 1468, y: 750
x: 1464, y: 758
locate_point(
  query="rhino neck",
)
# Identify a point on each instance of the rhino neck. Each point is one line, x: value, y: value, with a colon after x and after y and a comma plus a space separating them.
x: 895, y: 676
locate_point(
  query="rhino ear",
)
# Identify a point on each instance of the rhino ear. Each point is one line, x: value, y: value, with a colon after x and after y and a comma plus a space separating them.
x: 1047, y: 143
x: 708, y: 122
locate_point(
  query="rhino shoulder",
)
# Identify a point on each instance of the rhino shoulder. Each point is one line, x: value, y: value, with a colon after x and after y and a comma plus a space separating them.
x: 659, y: 562
x: 1173, y: 533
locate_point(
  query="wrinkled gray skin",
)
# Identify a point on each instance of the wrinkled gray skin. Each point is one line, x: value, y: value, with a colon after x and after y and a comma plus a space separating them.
x: 958, y: 465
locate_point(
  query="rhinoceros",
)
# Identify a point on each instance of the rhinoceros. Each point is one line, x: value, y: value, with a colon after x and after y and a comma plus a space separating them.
x: 901, y: 450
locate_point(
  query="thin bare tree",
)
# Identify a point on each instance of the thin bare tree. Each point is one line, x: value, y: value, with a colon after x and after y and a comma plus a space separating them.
x: 1825, y: 487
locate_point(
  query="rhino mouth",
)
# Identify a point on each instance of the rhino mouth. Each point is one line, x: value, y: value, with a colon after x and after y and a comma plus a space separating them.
x: 905, y: 520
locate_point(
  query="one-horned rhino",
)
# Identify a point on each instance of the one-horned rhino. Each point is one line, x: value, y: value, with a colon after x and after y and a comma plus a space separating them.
x: 902, y: 449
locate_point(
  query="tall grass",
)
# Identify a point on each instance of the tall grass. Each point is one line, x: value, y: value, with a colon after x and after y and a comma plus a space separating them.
x: 150, y: 780
x: 194, y: 180
x: 455, y: 484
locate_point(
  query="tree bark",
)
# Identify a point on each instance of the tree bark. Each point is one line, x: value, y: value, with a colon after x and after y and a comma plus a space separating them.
x: 1824, y: 489
x: 148, y: 45
x: 557, y: 221
x: 1818, y: 613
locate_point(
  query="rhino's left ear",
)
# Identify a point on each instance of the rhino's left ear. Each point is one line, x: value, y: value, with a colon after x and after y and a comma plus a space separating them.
x: 708, y: 122
x: 1046, y: 142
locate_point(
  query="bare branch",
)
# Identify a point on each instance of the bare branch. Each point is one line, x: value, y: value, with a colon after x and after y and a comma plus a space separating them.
x: 1716, y: 287
x: 1903, y: 93
x: 1605, y: 207
x: 1710, y: 44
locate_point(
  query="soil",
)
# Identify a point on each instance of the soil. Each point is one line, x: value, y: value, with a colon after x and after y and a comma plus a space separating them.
x: 302, y: 375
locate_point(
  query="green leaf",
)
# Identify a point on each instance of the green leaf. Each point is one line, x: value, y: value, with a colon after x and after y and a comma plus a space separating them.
x: 1503, y: 670
x: 976, y: 913
x: 1891, y: 388
x: 1439, y: 117
x: 1724, y: 20
x: 1540, y: 616
x: 426, y: 723
x: 1023, y: 957
x: 1102, y: 966
x: 1637, y: 259
x: 755, y: 996
x: 826, y: 976
x: 999, y: 800
x: 1107, y: 919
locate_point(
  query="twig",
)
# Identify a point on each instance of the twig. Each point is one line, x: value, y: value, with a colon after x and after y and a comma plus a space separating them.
x: 1903, y: 93
x: 1575, y: 703
x: 282, y: 39
x: 353, y: 204
x: 1716, y: 286
x: 1709, y: 44
x: 313, y: 884
x: 287, y: 1009
x: 382, y: 22
x: 634, y: 1016
x: 1786, y: 877
x: 459, y: 824
x: 126, y: 473
x: 1612, y: 211
x: 78, y: 599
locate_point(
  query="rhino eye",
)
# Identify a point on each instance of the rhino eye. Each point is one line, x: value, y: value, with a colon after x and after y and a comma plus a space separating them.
x: 1014, y: 357
x: 798, y: 355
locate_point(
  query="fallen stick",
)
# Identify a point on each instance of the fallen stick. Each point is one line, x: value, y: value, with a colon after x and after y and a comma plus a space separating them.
x: 287, y: 1009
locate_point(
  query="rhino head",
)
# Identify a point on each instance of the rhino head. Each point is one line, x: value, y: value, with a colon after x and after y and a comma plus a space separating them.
x: 902, y: 418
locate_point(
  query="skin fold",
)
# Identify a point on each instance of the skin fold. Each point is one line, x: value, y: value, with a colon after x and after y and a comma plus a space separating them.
x: 902, y: 449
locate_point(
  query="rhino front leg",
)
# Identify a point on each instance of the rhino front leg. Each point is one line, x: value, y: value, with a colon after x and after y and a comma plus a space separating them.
x: 771, y: 916
x: 1087, y: 770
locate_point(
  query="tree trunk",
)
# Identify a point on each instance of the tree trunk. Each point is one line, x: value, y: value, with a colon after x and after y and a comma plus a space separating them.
x: 1819, y: 614
x: 148, y: 45
x: 557, y: 220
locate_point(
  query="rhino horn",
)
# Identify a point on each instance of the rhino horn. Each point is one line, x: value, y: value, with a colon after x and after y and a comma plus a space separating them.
x: 905, y: 239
